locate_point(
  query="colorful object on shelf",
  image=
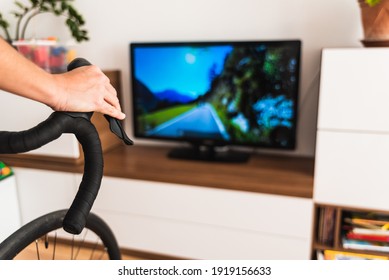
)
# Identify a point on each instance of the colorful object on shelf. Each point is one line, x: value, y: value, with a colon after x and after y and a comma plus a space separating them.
x: 5, y: 171
x: 366, y: 231
x: 342, y: 255
x: 47, y: 54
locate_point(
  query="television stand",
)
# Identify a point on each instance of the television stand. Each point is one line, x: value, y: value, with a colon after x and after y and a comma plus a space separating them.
x: 208, y: 153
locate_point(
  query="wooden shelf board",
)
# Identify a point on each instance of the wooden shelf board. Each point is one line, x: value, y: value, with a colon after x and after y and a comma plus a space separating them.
x: 280, y: 175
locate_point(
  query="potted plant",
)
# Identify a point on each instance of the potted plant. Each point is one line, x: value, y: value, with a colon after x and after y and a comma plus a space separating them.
x: 375, y: 22
x: 26, y: 12
x: 48, y: 54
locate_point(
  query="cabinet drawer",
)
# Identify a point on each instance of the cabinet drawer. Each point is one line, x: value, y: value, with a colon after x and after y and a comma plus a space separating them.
x: 352, y: 169
x: 269, y: 214
x: 205, y: 223
x: 184, y: 239
x: 41, y: 192
x: 354, y: 89
x: 9, y: 208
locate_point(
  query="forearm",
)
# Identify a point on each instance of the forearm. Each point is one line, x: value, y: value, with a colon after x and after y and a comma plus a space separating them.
x: 84, y: 89
x: 20, y: 76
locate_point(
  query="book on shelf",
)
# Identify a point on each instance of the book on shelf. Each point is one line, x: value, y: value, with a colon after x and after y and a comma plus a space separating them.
x: 367, y: 237
x: 326, y: 230
x: 341, y: 255
x: 366, y: 227
x: 365, y: 245
x: 365, y: 231
x: 376, y: 232
x: 319, y: 255
x: 368, y: 223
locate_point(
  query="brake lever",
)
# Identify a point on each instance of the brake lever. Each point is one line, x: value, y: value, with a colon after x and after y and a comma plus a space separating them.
x: 117, y: 129
x: 114, y: 124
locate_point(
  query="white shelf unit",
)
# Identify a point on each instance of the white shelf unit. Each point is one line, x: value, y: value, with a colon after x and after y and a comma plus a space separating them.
x: 352, y: 150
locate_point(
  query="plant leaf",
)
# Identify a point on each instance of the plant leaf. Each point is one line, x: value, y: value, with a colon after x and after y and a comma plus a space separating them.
x: 20, y: 5
x: 372, y: 3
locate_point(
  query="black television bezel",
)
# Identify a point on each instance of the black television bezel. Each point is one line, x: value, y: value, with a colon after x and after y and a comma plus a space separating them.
x: 296, y: 43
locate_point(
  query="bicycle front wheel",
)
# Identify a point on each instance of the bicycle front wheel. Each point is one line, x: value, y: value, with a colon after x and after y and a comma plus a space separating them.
x: 44, y: 234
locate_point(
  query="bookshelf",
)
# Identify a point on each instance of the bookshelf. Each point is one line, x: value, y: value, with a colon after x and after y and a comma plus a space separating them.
x: 350, y: 233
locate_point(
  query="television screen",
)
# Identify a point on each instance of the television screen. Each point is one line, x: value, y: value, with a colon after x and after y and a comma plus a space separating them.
x: 223, y: 93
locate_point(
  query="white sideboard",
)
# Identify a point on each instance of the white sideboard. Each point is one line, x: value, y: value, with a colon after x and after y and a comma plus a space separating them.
x: 205, y: 223
x: 10, y: 218
x: 181, y: 220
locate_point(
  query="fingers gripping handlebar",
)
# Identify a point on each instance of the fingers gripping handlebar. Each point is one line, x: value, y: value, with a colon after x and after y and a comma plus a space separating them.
x: 114, y: 124
x: 78, y: 124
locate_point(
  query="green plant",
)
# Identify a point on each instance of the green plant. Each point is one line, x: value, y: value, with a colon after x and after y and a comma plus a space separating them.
x: 26, y: 12
x: 372, y: 3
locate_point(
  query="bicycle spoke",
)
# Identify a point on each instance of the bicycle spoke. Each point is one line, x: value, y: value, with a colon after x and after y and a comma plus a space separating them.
x: 81, y: 243
x: 55, y: 244
x: 72, y: 247
x: 102, y: 253
x: 94, y: 249
x: 46, y: 241
x: 37, y: 249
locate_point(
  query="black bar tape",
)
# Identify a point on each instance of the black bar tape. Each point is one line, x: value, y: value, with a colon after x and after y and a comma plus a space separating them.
x: 76, y: 217
x: 51, y: 129
x: 86, y: 133
x: 34, y: 138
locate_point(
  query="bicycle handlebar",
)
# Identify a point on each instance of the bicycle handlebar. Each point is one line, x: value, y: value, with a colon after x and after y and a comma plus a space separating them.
x: 52, y: 128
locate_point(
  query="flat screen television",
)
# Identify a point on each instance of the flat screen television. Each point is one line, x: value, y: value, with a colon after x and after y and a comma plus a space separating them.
x: 213, y: 94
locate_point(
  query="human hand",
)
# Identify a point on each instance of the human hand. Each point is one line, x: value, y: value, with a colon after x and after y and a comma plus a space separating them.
x: 86, y: 89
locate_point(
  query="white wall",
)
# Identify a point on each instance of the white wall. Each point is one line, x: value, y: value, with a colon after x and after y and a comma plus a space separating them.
x: 113, y: 24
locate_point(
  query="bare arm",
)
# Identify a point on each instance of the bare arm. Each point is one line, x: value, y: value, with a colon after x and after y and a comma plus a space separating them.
x: 84, y: 89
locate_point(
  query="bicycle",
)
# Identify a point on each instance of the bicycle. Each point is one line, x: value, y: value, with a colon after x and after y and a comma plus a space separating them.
x: 77, y: 219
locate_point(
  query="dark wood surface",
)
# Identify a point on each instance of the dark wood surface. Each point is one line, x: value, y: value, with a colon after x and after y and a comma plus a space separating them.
x: 281, y: 175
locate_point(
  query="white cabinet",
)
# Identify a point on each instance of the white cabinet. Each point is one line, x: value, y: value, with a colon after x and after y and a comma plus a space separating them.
x: 354, y: 92
x: 9, y: 208
x: 181, y: 220
x: 352, y: 169
x: 205, y: 223
x: 41, y: 192
x: 352, y: 150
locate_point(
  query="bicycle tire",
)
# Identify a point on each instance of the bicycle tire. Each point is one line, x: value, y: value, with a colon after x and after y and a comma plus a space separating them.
x: 43, y: 225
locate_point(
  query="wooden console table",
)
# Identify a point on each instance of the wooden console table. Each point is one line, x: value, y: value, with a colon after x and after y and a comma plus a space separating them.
x: 281, y: 175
